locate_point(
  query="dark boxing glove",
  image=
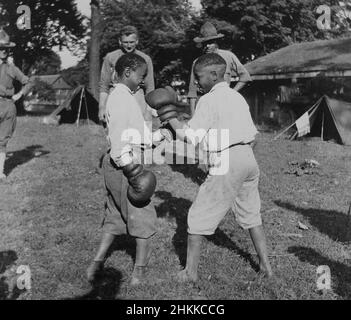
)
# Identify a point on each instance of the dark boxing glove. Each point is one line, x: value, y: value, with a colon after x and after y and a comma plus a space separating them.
x: 142, y: 184
x: 168, y: 112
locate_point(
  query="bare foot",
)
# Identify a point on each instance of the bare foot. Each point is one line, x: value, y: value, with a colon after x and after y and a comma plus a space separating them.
x: 184, y: 276
x: 92, y: 271
x: 138, y: 275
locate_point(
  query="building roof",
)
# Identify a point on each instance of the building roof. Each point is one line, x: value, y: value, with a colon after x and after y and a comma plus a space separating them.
x: 304, y: 60
x: 54, y: 80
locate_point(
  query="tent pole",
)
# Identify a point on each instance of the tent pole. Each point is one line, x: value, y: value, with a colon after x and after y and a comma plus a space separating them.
x: 285, y: 130
x: 86, y: 107
x: 80, y: 108
x: 294, y: 136
x: 322, y: 131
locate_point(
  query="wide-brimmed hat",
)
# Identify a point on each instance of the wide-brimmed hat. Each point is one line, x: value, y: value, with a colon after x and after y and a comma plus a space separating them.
x: 5, y: 40
x: 208, y: 32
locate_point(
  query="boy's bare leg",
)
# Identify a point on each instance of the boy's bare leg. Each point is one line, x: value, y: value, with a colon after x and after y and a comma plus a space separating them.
x: 2, y: 164
x: 142, y: 257
x: 98, y: 262
x: 259, y: 241
x: 192, y: 259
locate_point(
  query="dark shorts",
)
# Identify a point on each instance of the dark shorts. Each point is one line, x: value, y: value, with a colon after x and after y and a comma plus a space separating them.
x: 121, y: 216
x: 7, y: 122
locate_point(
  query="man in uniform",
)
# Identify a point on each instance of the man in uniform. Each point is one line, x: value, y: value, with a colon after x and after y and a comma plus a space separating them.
x: 8, y: 73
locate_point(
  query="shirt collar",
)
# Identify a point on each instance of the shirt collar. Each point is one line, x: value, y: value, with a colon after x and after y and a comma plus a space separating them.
x: 122, y: 86
x: 219, y: 85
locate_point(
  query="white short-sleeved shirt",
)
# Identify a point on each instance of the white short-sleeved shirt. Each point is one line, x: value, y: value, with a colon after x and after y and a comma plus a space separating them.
x: 125, y: 122
x: 222, y: 118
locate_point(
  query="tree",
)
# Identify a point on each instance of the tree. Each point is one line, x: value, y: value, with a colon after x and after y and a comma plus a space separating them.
x: 48, y: 63
x: 257, y: 27
x: 77, y: 75
x: 53, y: 23
x: 94, y: 47
x: 43, y: 91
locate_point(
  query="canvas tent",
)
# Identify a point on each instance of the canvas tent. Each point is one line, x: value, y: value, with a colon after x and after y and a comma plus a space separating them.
x: 329, y: 119
x: 80, y: 104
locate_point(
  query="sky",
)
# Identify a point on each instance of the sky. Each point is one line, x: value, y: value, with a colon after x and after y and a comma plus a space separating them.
x: 69, y: 60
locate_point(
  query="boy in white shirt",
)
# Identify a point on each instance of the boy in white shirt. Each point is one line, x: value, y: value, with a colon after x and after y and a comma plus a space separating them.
x: 223, y: 124
x: 129, y: 187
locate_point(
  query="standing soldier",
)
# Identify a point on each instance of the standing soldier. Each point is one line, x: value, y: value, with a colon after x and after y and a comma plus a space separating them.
x: 209, y: 41
x: 128, y: 41
x: 8, y: 73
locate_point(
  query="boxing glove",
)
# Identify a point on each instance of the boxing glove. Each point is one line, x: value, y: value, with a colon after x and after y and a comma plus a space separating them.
x: 142, y: 184
x: 162, y: 97
x: 167, y: 112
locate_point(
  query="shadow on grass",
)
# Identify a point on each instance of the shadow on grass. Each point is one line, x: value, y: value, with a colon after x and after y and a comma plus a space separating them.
x: 334, y: 224
x: 222, y: 240
x: 178, y: 208
x: 193, y: 172
x: 340, y: 273
x: 7, y: 259
x: 20, y: 157
x: 108, y: 280
x: 106, y: 286
x: 123, y: 243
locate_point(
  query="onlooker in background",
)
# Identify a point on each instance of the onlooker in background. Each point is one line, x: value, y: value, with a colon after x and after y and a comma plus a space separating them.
x: 8, y: 74
x: 129, y: 39
x: 208, y: 40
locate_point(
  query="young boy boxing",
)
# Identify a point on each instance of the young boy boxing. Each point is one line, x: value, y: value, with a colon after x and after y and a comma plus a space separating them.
x: 223, y: 125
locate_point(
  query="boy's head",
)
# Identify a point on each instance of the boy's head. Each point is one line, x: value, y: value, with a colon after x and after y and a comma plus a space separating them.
x: 129, y: 39
x: 131, y: 70
x: 209, y: 70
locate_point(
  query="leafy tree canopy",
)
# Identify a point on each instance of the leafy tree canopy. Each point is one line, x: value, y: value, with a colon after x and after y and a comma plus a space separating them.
x: 48, y: 63
x: 53, y: 23
x: 257, y: 27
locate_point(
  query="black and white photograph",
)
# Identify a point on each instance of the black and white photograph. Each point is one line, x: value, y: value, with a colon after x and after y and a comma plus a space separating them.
x: 175, y: 155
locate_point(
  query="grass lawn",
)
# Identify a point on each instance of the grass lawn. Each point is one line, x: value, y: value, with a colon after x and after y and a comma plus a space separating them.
x: 52, y: 204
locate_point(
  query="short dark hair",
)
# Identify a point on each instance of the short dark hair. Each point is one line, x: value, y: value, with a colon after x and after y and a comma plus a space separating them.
x: 209, y: 59
x: 129, y: 60
x: 128, y: 30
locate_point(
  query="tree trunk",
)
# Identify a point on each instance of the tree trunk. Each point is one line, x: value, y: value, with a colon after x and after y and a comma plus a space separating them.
x: 94, y: 50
